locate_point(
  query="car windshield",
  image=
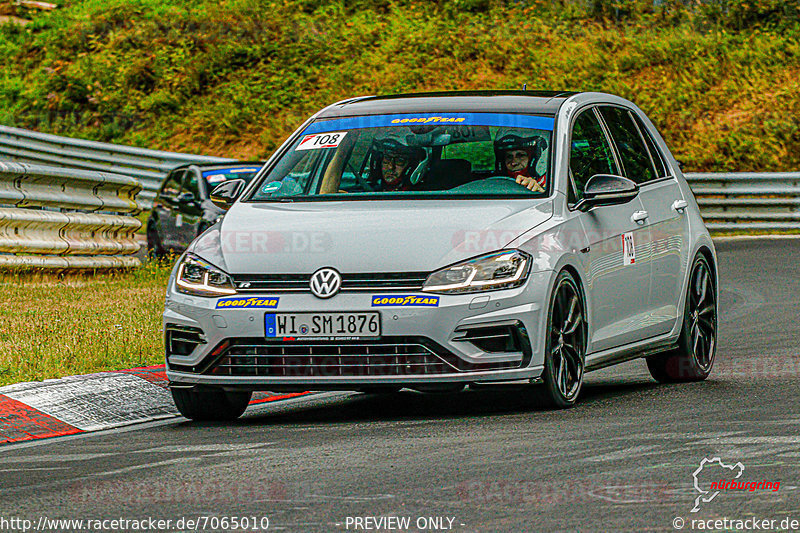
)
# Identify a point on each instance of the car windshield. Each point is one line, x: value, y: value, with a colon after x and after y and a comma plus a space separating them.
x: 464, y: 155
x: 220, y: 175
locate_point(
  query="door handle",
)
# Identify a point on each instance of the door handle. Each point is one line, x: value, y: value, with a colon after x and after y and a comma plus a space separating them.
x: 680, y: 205
x: 639, y: 217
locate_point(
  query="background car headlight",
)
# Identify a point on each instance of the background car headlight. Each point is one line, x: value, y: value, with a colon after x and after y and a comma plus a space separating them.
x: 199, y: 278
x: 499, y: 270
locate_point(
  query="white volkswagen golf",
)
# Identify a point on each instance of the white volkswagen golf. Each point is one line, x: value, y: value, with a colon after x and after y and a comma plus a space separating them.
x: 431, y: 241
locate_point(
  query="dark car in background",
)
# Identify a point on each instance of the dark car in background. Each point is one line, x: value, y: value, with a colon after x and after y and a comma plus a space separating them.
x: 182, y: 209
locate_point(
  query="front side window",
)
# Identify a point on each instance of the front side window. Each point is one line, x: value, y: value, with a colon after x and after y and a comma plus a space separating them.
x: 172, y: 185
x: 414, y: 156
x: 190, y: 184
x: 635, y: 156
x: 590, y: 152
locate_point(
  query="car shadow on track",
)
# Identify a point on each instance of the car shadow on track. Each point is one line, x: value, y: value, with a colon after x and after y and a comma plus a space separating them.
x: 411, y: 405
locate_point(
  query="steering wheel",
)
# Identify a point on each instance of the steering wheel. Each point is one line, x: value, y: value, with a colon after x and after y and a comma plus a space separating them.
x: 359, y: 179
x: 512, y: 180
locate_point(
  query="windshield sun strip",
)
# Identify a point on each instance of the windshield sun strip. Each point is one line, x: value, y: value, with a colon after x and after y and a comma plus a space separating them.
x: 508, y: 120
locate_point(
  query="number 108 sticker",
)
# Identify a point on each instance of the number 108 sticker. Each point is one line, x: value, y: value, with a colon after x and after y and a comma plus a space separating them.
x: 321, y: 140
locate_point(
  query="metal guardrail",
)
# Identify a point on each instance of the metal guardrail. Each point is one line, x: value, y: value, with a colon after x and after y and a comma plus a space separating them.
x: 763, y: 201
x: 54, y: 217
x: 150, y: 167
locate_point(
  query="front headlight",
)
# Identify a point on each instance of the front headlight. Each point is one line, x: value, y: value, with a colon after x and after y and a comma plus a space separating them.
x: 199, y: 278
x: 505, y: 269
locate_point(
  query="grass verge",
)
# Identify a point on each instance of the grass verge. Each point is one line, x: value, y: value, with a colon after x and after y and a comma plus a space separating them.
x: 235, y: 77
x: 51, y: 327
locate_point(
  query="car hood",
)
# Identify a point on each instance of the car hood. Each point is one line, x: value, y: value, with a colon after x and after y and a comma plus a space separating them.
x: 358, y: 237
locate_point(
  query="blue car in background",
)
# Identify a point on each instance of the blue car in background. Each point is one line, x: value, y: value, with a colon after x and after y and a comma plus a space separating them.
x: 182, y: 209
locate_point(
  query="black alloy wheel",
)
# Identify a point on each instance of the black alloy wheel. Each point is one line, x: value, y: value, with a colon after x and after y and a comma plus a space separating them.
x: 565, y: 357
x: 697, y: 345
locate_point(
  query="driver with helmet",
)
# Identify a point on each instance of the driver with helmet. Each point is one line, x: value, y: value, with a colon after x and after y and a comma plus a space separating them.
x: 393, y: 162
x: 517, y: 154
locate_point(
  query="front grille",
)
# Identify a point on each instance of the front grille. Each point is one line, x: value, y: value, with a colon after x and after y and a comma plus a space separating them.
x: 387, y: 357
x: 330, y: 360
x: 405, y: 281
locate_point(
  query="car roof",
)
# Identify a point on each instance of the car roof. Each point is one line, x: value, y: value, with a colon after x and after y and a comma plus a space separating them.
x: 221, y: 165
x: 535, y: 102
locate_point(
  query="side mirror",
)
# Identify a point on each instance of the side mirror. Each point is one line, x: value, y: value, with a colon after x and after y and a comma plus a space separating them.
x: 226, y: 193
x: 186, y: 198
x: 607, y: 189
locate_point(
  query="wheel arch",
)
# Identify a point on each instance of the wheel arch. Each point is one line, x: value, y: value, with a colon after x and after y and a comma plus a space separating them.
x: 579, y: 280
x: 706, y: 249
x: 706, y: 252
x: 570, y: 265
x: 711, y: 257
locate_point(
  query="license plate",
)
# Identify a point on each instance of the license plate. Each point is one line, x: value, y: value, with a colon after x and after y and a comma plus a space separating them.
x: 322, y: 325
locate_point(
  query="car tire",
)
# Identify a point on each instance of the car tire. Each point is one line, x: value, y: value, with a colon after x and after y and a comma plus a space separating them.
x: 155, y: 250
x: 210, y: 404
x: 697, y: 345
x: 565, y: 346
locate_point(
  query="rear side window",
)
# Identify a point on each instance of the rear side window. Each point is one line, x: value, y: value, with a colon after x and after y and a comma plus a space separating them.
x: 590, y: 152
x: 655, y: 153
x: 633, y: 152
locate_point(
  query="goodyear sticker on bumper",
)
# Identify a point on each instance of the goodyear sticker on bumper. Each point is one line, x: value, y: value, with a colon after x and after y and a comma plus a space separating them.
x: 256, y: 302
x: 404, y: 300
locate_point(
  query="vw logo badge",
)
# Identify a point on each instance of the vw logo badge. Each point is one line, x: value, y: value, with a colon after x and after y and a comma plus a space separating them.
x: 325, y: 282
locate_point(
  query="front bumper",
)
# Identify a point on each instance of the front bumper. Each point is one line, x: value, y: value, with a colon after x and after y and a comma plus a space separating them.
x: 438, y: 328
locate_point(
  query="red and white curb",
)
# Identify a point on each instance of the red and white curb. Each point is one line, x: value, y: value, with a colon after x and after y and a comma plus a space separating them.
x: 92, y: 402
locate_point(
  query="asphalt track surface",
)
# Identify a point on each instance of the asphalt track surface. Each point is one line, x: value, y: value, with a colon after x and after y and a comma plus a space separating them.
x: 620, y: 461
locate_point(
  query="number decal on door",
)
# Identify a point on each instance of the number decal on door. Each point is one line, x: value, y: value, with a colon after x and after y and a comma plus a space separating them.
x: 628, y: 249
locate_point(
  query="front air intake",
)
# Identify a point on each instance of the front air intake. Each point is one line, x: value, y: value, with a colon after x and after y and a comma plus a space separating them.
x: 182, y: 340
x: 500, y: 337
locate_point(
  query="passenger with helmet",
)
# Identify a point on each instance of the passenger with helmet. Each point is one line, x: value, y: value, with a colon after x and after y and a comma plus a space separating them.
x: 394, y: 165
x: 517, y: 155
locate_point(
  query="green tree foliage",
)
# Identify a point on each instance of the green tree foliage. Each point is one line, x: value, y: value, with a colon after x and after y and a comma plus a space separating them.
x: 235, y: 77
